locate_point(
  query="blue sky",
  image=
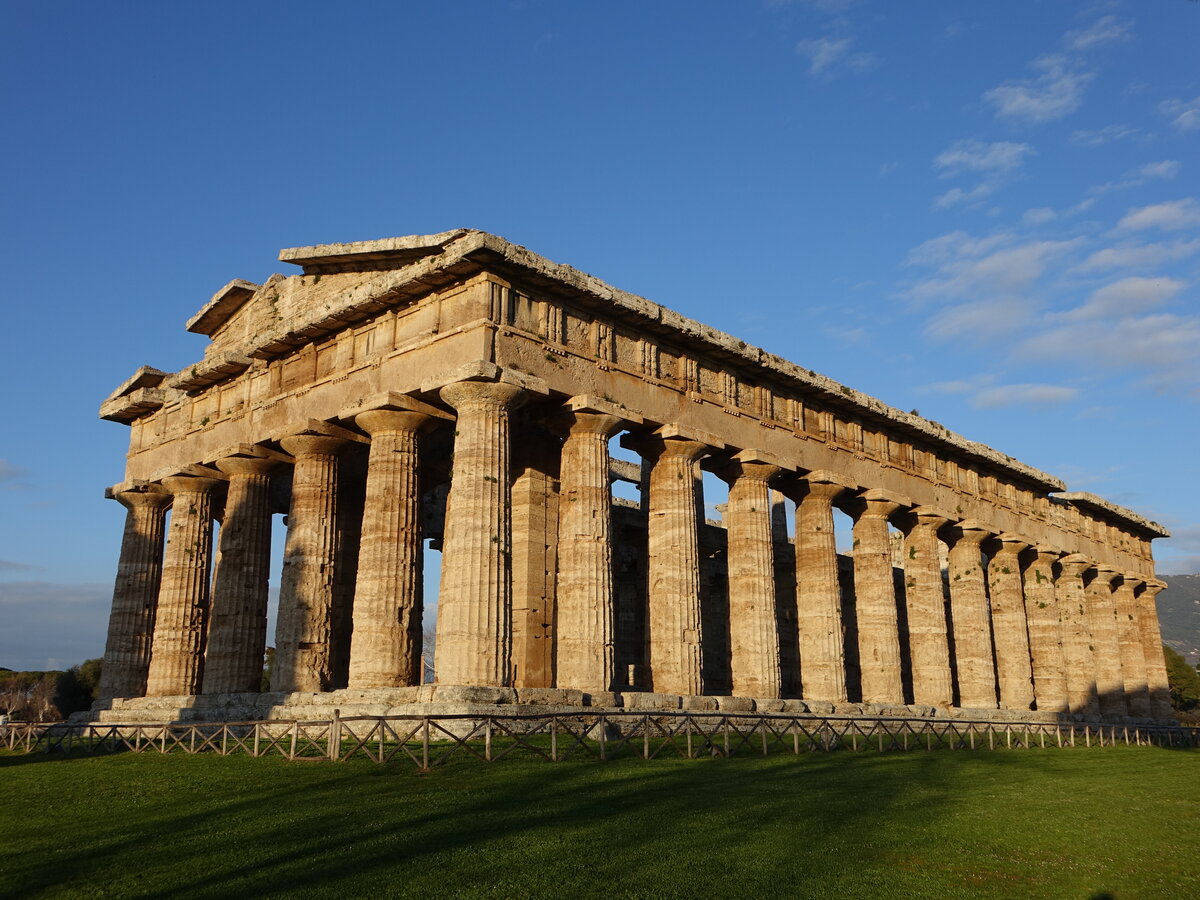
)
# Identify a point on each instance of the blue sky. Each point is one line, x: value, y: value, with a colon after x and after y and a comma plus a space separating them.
x: 987, y: 212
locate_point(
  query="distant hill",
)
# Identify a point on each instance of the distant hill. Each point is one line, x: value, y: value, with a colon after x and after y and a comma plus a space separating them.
x: 1179, y: 615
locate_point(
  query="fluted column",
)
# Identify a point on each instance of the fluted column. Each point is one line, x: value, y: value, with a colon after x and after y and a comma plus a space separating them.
x: 925, y: 600
x: 1045, y: 632
x: 177, y: 656
x: 969, y: 610
x: 753, y: 626
x: 875, y: 598
x: 135, y: 593
x: 586, y: 615
x: 474, y: 627
x: 1133, y: 660
x: 818, y: 593
x: 674, y: 566
x: 1014, y: 669
x: 1077, y: 635
x: 1106, y: 642
x: 237, y: 623
x: 304, y: 633
x: 1152, y: 649
x: 385, y: 648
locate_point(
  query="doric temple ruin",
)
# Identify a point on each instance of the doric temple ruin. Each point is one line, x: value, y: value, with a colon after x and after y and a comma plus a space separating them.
x: 460, y: 392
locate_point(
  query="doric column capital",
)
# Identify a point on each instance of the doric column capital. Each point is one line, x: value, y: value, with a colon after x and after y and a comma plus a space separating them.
x: 924, y: 517
x: 1105, y: 576
x: 246, y: 465
x: 190, y: 484
x: 1006, y: 544
x: 750, y: 465
x: 874, y: 504
x: 392, y: 421
x: 1074, y: 565
x: 1133, y: 582
x: 463, y: 394
x: 585, y: 414
x: 148, y: 497
x: 673, y: 441
x: 313, y: 445
x: 820, y: 484
x: 1153, y: 588
x: 968, y: 531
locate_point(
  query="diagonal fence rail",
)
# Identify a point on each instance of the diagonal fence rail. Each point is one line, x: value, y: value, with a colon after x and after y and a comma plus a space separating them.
x: 434, y: 740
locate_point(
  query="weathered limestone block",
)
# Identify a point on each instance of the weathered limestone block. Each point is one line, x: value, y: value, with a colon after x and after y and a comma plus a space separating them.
x: 135, y: 593
x: 1077, y: 635
x: 969, y: 610
x: 1009, y: 626
x: 1045, y: 632
x: 304, y: 632
x: 385, y: 648
x: 818, y: 592
x: 1152, y: 649
x: 925, y: 599
x: 237, y: 623
x: 474, y: 627
x: 1133, y: 660
x: 535, y: 494
x: 754, y: 636
x: 674, y: 564
x: 177, y: 655
x: 586, y: 616
x: 875, y: 598
x: 1106, y: 643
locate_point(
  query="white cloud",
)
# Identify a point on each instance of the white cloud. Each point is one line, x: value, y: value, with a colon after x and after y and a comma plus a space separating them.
x: 1184, y: 114
x: 957, y: 196
x: 982, y: 320
x: 950, y: 246
x: 888, y: 168
x: 1167, y: 168
x: 1039, y: 216
x: 1037, y: 395
x: 1138, y: 256
x: 1169, y: 216
x: 977, y: 156
x: 1054, y: 93
x: 1106, y: 30
x: 1105, y: 135
x: 1128, y: 296
x: 828, y: 55
x: 965, y: 273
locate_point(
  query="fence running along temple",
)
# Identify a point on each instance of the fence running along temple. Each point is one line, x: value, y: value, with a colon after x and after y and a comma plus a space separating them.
x: 458, y: 389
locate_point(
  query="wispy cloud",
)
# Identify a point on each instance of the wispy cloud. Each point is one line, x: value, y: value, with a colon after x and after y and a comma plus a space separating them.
x: 1036, y: 395
x: 1184, y: 114
x: 1162, y: 170
x: 992, y: 161
x: 1138, y: 256
x: 1105, y: 135
x: 1106, y: 30
x: 1128, y: 296
x: 832, y: 56
x: 10, y: 566
x: 1054, y: 93
x: 1170, y: 216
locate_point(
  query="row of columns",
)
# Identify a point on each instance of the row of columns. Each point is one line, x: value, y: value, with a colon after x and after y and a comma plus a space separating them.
x: 1018, y: 632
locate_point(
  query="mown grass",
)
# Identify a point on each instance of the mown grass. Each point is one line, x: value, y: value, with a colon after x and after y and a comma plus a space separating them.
x: 1121, y: 821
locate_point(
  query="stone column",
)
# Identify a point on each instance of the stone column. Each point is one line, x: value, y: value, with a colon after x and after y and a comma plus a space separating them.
x: 586, y: 616
x: 1009, y: 627
x: 753, y: 627
x: 925, y: 600
x: 1045, y: 632
x: 177, y: 657
x: 1133, y: 660
x: 237, y: 624
x: 304, y: 633
x: 875, y: 598
x: 135, y: 593
x: 1077, y: 635
x: 674, y: 565
x: 969, y: 610
x: 1106, y: 643
x: 385, y: 648
x: 536, y: 458
x: 474, y: 626
x: 818, y: 592
x: 1152, y: 649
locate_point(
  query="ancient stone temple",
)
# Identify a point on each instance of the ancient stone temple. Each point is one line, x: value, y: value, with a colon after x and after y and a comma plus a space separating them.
x: 459, y: 392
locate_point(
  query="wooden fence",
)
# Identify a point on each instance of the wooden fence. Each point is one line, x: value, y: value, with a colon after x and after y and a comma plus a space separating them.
x: 431, y: 741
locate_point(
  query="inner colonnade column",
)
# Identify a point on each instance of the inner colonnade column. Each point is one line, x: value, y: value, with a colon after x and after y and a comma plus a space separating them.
x: 1045, y: 632
x: 1106, y: 643
x: 176, y: 657
x: 969, y: 612
x: 1152, y: 650
x: 1009, y: 626
x: 135, y: 593
x: 925, y: 601
x: 1077, y: 635
x: 1133, y: 661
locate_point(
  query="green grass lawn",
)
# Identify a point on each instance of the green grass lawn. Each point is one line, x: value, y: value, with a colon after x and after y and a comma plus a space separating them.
x: 1123, y: 821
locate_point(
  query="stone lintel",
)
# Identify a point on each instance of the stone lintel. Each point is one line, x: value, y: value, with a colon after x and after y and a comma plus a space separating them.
x: 394, y: 400
x: 624, y: 470
x: 824, y: 476
x: 135, y: 486
x: 359, y: 256
x: 1118, y: 515
x: 132, y: 405
x: 209, y: 371
x: 587, y: 403
x: 482, y: 370
x: 224, y: 303
x: 144, y: 377
x: 673, y: 430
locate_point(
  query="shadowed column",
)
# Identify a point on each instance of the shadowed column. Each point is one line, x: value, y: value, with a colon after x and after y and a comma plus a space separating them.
x: 925, y: 600
x: 1152, y: 648
x: 875, y: 597
x: 586, y: 618
x: 753, y: 627
x: 1077, y: 634
x: 385, y: 648
x: 673, y: 563
x: 474, y: 624
x: 818, y: 592
x: 177, y: 656
x: 1133, y: 660
x: 237, y: 624
x: 135, y: 593
x: 1009, y: 627
x: 1106, y: 642
x: 1045, y: 632
x: 969, y: 610
x: 304, y: 631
